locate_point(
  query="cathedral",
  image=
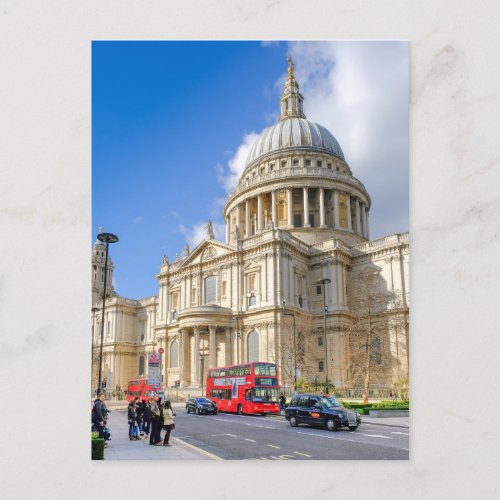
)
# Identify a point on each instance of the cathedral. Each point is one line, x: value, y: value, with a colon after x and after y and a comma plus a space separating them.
x: 297, y: 281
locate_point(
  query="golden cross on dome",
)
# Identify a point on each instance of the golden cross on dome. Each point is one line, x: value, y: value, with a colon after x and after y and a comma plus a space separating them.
x: 100, y: 230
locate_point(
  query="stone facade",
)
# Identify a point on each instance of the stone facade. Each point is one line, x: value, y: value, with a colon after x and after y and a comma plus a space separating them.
x: 297, y: 216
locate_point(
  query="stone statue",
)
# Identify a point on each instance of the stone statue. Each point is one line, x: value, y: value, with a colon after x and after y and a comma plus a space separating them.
x: 186, y: 250
x: 210, y: 230
x: 176, y: 256
x: 165, y: 260
x: 290, y: 67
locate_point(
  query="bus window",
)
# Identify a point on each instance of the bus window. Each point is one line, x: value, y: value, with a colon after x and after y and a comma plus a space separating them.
x: 248, y: 394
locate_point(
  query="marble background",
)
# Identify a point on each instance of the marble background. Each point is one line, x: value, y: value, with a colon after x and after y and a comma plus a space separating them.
x: 45, y: 158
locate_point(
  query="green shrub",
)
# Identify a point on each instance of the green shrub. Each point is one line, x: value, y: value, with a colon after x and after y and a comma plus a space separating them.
x: 97, y: 447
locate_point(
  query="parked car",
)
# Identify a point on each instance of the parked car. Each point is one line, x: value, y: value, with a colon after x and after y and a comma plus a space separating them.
x: 201, y: 405
x: 321, y: 411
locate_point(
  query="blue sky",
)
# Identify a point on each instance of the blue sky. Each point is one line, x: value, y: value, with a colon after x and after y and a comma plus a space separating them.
x: 172, y: 123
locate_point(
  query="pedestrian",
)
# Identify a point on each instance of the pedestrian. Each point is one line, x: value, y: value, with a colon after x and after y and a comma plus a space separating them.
x: 133, y: 429
x: 168, y: 422
x: 138, y: 409
x: 146, y: 416
x: 282, y: 402
x: 99, y: 416
x: 156, y: 422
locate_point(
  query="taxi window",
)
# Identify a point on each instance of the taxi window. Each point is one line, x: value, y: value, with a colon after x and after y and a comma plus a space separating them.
x: 303, y: 401
x: 314, y: 402
x: 294, y: 401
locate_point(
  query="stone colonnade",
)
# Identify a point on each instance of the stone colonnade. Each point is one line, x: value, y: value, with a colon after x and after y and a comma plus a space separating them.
x: 337, y: 210
x: 216, y: 345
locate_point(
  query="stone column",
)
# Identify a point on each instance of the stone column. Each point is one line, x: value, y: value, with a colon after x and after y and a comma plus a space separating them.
x: 238, y: 218
x: 212, y: 347
x: 247, y: 218
x: 367, y: 224
x: 182, y: 356
x: 273, y: 209
x: 322, y: 208
x: 358, y: 217
x: 259, y: 212
x: 196, y: 370
x: 289, y: 206
x: 363, y: 215
x: 305, y: 192
x: 228, y: 361
x: 349, y: 220
x: 228, y: 232
x: 336, y: 223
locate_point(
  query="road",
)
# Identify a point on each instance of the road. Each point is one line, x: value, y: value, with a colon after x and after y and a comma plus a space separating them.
x: 248, y: 437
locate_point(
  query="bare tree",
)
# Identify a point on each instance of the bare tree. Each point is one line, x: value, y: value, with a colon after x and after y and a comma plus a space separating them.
x: 369, y: 349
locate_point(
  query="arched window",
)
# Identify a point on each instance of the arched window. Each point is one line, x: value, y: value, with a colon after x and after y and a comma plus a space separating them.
x: 253, y: 347
x: 141, y: 365
x: 210, y: 289
x: 174, y: 354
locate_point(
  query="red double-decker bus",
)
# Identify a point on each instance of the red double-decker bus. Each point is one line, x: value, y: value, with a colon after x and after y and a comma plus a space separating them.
x: 143, y: 389
x: 249, y: 388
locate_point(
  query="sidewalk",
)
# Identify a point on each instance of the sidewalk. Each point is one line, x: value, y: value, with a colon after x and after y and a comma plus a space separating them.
x: 391, y: 421
x: 121, y: 448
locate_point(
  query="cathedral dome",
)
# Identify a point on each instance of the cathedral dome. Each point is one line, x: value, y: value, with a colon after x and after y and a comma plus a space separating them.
x: 295, y: 133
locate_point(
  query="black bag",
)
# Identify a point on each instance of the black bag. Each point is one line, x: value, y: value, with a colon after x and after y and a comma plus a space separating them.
x: 173, y: 426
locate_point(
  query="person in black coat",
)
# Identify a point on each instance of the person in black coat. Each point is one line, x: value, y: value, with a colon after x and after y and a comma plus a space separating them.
x: 99, y: 415
x: 145, y: 414
x: 156, y: 421
x: 132, y: 421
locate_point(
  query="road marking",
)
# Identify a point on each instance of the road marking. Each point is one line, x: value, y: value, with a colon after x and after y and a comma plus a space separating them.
x: 404, y: 433
x: 199, y: 450
x: 303, y: 454
x: 232, y: 435
x: 376, y: 436
x: 272, y: 446
x: 253, y: 440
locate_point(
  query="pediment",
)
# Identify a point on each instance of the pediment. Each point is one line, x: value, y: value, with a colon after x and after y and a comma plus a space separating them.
x: 206, y: 251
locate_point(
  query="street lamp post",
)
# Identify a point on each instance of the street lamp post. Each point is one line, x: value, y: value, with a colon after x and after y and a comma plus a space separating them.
x: 105, y: 238
x: 202, y: 361
x: 324, y: 282
x: 289, y: 313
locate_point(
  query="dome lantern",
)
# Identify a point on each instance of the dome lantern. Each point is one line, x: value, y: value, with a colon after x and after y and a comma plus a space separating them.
x: 291, y: 100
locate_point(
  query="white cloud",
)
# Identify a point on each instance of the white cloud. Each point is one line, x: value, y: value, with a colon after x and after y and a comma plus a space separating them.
x: 359, y: 91
x: 138, y: 220
x: 228, y: 176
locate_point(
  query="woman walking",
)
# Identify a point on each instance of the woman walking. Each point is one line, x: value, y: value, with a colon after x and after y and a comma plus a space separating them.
x: 168, y: 422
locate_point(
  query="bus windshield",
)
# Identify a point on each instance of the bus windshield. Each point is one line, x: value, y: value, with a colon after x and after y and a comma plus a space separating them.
x: 265, y: 394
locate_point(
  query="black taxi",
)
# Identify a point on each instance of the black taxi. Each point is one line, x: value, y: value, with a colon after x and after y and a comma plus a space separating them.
x: 324, y: 411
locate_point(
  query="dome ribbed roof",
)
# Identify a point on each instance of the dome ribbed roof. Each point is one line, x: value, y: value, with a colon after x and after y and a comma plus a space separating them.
x: 294, y: 133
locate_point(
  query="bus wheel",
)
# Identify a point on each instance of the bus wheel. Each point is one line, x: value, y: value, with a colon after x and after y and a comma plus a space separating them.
x: 240, y: 409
